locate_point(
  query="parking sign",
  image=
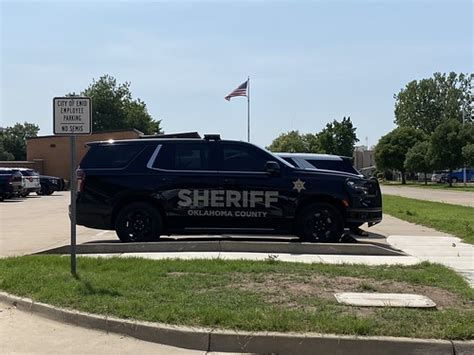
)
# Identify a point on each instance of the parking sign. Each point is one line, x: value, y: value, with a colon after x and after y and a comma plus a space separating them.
x: 72, y: 116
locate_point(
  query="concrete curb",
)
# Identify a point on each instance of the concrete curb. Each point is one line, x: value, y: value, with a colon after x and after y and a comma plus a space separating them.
x: 230, y: 246
x: 206, y: 339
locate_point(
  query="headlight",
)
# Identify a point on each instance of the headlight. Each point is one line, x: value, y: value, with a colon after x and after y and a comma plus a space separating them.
x: 358, y: 186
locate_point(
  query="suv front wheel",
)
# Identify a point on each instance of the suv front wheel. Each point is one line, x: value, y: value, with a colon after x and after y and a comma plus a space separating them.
x: 138, y: 222
x: 319, y: 223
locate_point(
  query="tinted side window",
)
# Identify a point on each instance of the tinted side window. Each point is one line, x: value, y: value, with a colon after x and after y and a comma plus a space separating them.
x: 110, y: 156
x: 184, y: 156
x: 237, y: 157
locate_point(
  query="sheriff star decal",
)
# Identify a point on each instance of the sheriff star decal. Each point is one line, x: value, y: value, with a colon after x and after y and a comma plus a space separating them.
x: 298, y: 185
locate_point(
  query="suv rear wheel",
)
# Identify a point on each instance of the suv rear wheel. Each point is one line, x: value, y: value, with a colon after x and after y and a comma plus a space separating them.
x: 319, y: 223
x: 138, y: 222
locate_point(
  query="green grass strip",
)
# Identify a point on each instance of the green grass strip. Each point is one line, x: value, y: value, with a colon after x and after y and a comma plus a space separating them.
x: 245, y: 295
x: 453, y: 219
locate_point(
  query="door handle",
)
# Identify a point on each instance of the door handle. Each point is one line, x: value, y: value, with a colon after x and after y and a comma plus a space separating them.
x: 229, y: 181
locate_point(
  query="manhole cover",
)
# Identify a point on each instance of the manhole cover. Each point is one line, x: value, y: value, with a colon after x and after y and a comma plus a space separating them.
x: 384, y: 300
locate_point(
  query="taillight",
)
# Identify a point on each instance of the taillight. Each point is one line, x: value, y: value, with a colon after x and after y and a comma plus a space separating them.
x: 80, y: 178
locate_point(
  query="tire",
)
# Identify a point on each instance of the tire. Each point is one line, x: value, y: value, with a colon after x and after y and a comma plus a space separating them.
x: 138, y: 222
x: 319, y: 223
x: 45, y: 190
x: 25, y: 194
x: 454, y: 180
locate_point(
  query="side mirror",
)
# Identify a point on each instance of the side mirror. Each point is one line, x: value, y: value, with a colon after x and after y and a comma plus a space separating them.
x: 272, y: 168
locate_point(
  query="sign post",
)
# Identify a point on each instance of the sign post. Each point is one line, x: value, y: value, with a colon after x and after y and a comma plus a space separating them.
x: 72, y: 116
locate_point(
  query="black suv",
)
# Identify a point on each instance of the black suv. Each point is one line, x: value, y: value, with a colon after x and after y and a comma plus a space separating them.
x: 144, y: 188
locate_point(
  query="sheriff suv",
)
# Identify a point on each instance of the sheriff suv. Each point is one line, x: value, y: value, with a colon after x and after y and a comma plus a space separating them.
x: 144, y: 188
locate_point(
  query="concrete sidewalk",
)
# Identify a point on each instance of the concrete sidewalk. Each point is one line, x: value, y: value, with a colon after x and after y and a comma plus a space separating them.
x: 26, y: 333
x: 449, y: 251
x: 463, y: 198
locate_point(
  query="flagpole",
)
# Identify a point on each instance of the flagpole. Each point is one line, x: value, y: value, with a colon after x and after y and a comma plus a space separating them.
x: 248, y: 109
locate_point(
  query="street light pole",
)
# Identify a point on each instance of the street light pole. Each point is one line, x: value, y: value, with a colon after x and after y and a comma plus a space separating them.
x: 464, y: 177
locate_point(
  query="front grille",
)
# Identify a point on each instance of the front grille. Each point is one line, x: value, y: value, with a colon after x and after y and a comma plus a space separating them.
x: 373, y: 187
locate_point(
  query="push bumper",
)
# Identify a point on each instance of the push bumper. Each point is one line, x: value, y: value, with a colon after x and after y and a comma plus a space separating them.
x: 364, y: 215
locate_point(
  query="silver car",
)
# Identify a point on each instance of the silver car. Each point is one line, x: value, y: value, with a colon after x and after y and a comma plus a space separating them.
x: 320, y: 162
x: 30, y: 180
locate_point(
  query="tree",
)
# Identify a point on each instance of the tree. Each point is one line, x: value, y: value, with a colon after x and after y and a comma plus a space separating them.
x: 114, y: 108
x: 13, y: 140
x: 418, y: 159
x: 338, y: 138
x: 392, y: 148
x: 290, y: 142
x: 427, y: 103
x: 4, y: 155
x: 312, y: 143
x: 447, y: 142
x: 468, y: 154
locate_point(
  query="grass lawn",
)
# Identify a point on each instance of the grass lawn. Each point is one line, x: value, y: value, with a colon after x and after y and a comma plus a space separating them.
x: 455, y: 187
x: 453, y: 219
x: 248, y: 295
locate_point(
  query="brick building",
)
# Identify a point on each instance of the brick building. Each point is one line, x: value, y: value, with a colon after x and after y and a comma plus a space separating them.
x: 50, y: 155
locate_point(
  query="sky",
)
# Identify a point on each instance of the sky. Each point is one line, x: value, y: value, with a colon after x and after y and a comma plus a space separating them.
x: 309, y: 62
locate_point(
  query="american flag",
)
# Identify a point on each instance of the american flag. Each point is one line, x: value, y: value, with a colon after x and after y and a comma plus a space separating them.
x: 240, y: 91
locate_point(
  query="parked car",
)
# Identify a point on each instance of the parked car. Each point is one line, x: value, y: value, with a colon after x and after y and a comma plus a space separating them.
x: 458, y: 175
x: 144, y: 188
x: 49, y: 184
x: 439, y: 176
x: 30, y: 181
x: 10, y: 183
x: 320, y: 161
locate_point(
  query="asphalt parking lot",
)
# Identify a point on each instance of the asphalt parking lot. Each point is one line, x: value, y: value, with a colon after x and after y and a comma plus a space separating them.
x: 39, y: 222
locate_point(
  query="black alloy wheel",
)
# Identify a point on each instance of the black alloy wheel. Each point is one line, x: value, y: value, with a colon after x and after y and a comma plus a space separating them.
x: 138, y: 222
x: 320, y: 223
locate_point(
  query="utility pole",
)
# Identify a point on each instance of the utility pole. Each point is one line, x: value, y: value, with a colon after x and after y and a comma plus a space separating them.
x: 464, y: 177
